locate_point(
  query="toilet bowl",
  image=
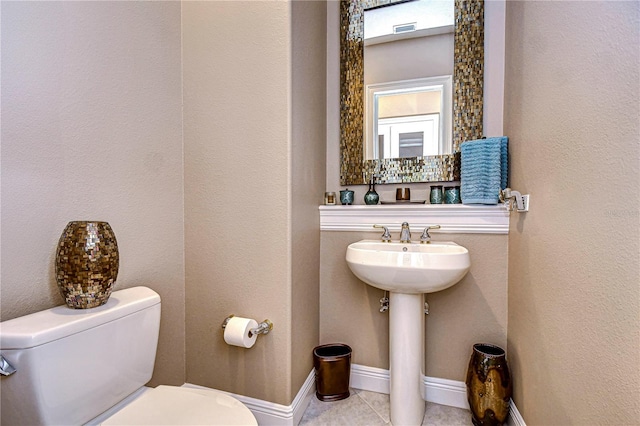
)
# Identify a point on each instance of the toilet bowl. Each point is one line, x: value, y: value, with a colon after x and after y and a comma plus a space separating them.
x: 77, y: 366
x: 170, y: 405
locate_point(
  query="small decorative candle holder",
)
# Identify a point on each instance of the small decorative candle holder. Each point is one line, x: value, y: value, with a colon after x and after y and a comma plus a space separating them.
x: 435, y: 197
x: 346, y: 197
x: 403, y: 194
x: 452, y: 195
x: 330, y: 198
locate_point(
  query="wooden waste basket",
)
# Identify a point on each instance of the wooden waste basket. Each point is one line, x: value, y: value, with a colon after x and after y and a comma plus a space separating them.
x: 332, y: 365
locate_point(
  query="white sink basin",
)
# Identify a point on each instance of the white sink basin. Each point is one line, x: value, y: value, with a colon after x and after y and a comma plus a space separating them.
x: 411, y: 268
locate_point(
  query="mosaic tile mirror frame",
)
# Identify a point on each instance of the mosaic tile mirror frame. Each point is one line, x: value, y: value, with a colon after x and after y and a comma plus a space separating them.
x: 468, y: 76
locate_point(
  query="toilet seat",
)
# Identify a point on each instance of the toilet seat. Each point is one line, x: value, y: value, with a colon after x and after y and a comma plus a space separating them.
x: 170, y: 405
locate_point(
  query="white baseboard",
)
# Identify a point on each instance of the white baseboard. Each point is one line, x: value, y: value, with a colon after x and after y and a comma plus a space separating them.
x: 515, y: 419
x: 369, y: 378
x: 269, y: 413
x: 440, y: 391
x: 445, y: 392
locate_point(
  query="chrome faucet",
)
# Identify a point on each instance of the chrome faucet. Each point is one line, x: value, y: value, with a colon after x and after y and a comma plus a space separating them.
x: 425, y: 238
x: 405, y: 233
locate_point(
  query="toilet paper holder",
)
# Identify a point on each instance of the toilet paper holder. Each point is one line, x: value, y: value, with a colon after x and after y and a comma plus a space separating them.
x: 263, y: 328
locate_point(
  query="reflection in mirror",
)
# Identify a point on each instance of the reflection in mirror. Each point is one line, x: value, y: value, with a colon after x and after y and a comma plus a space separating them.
x: 395, y: 20
x: 406, y: 44
x: 467, y: 94
x: 409, y: 118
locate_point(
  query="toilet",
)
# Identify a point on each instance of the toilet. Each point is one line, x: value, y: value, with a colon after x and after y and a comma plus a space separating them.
x: 77, y: 366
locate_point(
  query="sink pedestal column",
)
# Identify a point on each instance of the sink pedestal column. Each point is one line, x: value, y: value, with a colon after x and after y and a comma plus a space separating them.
x: 406, y: 358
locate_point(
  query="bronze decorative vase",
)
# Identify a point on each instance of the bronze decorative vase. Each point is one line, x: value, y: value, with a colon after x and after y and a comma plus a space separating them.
x: 488, y: 385
x: 87, y: 264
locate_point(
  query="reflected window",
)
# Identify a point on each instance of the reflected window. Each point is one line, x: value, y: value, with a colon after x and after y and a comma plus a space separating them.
x: 409, y: 118
x: 410, y: 136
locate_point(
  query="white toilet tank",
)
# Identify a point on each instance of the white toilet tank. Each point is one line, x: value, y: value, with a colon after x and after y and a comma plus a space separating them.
x: 73, y: 364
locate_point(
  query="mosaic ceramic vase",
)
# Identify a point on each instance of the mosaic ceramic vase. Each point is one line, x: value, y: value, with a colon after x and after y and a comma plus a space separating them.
x: 488, y: 385
x: 87, y: 264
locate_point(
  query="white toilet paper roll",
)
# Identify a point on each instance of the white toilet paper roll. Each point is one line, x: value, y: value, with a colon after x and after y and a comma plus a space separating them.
x: 237, y: 332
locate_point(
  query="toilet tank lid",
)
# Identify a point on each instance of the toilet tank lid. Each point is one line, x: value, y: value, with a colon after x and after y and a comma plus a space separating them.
x: 55, y: 323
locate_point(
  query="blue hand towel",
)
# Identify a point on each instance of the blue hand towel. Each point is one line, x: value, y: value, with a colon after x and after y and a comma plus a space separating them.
x: 484, y: 169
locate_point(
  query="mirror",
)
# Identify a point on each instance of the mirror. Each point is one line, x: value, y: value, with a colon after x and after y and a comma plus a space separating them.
x: 408, y: 62
x: 410, y: 118
x: 467, y: 97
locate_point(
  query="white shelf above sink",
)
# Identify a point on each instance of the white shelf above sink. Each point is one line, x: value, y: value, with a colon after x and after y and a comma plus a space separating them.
x: 452, y: 218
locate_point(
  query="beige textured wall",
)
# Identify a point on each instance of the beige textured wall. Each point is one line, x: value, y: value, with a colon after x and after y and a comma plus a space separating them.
x: 252, y: 128
x: 91, y: 129
x: 472, y: 311
x: 236, y: 192
x: 308, y: 168
x: 572, y: 108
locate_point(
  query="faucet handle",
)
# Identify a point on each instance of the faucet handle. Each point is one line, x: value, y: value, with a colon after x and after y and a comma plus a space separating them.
x: 386, y: 235
x: 425, y: 238
x: 6, y: 369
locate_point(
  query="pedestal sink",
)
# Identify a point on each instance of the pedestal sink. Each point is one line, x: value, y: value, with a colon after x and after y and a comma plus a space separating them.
x: 407, y: 270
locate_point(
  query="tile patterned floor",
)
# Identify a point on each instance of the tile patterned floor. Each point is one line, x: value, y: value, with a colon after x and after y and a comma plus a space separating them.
x: 372, y: 409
